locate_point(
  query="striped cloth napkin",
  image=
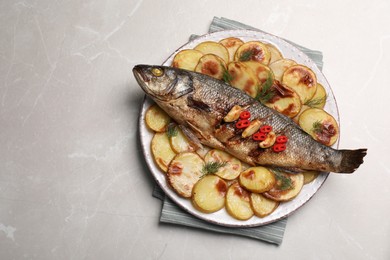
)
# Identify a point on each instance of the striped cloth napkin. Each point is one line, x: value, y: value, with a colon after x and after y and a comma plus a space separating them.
x: 173, y: 214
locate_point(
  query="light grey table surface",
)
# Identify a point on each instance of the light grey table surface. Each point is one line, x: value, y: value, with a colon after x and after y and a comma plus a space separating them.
x: 73, y: 184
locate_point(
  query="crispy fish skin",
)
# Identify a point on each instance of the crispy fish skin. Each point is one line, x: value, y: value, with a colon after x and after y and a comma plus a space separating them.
x: 199, y: 103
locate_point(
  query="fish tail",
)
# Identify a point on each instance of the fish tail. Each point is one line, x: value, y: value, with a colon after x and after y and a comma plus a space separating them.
x: 351, y: 160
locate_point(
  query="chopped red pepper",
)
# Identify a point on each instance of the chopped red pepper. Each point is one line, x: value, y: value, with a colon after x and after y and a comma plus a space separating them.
x: 279, y: 148
x: 266, y: 129
x: 243, y: 123
x: 259, y: 136
x: 281, y: 139
x: 245, y: 114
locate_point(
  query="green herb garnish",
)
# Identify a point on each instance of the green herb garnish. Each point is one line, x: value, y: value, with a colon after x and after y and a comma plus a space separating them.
x: 317, y: 127
x: 266, y: 94
x: 246, y: 55
x: 226, y: 75
x: 316, y: 101
x: 172, y: 130
x: 212, y: 167
x: 283, y: 181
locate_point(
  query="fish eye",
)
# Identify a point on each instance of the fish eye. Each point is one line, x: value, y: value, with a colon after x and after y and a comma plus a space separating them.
x: 157, y: 72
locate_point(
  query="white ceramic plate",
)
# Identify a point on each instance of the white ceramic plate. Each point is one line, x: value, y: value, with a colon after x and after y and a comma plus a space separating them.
x: 222, y: 217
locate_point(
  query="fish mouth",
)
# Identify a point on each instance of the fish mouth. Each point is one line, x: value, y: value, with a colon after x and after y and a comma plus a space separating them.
x: 141, y: 78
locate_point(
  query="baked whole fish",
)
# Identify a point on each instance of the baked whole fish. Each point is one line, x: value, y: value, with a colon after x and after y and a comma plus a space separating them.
x: 199, y: 104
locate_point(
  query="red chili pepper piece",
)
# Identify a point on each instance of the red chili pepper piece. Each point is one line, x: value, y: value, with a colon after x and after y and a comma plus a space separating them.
x: 245, y: 114
x: 266, y: 129
x: 259, y: 136
x: 243, y: 123
x: 279, y: 148
x: 281, y: 139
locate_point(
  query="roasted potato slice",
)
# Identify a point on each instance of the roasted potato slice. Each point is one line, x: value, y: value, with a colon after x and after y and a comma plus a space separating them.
x: 280, y: 66
x: 302, y: 80
x: 210, y: 47
x: 156, y: 118
x: 275, y: 53
x: 303, y: 108
x: 162, y: 150
x: 319, y: 98
x: 231, y: 44
x: 187, y: 59
x: 261, y: 205
x: 208, y: 194
x: 320, y: 125
x: 286, y: 188
x: 253, y: 50
x: 183, y: 172
x: 230, y: 170
x: 243, y: 78
x: 309, y: 176
x: 284, y: 100
x: 257, y: 179
x: 263, y: 72
x: 179, y: 142
x: 212, y: 65
x: 238, y: 202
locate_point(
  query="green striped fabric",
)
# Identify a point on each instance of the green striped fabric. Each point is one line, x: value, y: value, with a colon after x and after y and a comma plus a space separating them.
x: 172, y: 214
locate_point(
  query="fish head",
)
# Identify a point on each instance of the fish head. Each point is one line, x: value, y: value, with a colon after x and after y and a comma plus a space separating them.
x: 163, y: 83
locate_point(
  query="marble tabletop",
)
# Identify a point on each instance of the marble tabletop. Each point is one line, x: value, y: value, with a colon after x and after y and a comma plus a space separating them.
x: 73, y: 184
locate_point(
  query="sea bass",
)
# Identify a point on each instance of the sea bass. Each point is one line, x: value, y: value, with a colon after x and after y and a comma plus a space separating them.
x: 199, y: 103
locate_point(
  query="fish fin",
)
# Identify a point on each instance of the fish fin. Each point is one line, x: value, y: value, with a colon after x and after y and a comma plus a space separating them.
x: 191, y: 136
x: 351, y: 160
x: 198, y: 104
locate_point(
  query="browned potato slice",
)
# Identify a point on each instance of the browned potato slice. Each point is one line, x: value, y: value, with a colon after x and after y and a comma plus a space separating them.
x: 320, y: 125
x: 231, y: 44
x: 212, y: 65
x: 319, y: 98
x: 284, y: 100
x: 156, y: 118
x: 180, y: 143
x: 187, y: 59
x: 302, y: 80
x: 303, y: 108
x: 232, y: 168
x: 162, y: 150
x: 253, y: 50
x: 238, y: 202
x: 243, y: 78
x: 280, y: 66
x: 263, y: 72
x: 275, y: 53
x: 210, y: 47
x: 257, y: 179
x: 262, y: 206
x: 286, y: 188
x: 309, y: 176
x: 183, y: 172
x: 208, y: 194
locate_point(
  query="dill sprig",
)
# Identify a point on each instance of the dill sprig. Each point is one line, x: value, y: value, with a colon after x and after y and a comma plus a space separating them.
x: 266, y: 94
x: 226, y: 75
x: 212, y: 167
x: 316, y: 101
x: 317, y: 127
x: 284, y: 182
x: 172, y: 130
x: 246, y: 55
